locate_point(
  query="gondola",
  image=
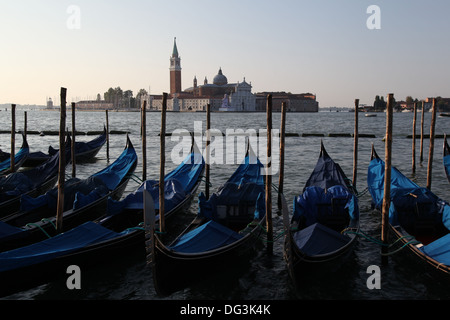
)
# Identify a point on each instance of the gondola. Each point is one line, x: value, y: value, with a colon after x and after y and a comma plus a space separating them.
x: 325, y: 222
x: 84, y: 200
x: 119, y: 232
x: 19, y: 158
x: 226, y: 227
x: 33, y: 182
x: 418, y: 219
x: 446, y: 158
x: 85, y: 151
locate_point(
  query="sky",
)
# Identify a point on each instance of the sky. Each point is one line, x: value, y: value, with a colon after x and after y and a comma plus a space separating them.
x: 322, y: 47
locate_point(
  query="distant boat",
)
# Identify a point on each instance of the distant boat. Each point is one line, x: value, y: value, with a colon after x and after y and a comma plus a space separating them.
x: 369, y: 115
x: 444, y: 114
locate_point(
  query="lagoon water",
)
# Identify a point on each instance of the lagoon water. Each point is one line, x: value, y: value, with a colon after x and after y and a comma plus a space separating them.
x: 265, y: 277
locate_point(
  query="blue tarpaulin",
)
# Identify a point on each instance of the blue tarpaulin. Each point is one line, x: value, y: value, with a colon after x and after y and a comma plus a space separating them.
x: 405, y: 195
x: 447, y: 166
x: 326, y: 173
x: 20, y: 156
x: 243, y: 194
x: 318, y: 239
x: 65, y: 243
x: 79, y: 193
x: 177, y: 184
x: 210, y: 236
x: 244, y: 188
x: 439, y: 250
x: 306, y: 205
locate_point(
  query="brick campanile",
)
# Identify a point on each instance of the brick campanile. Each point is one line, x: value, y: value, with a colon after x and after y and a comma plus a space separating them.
x: 175, y: 70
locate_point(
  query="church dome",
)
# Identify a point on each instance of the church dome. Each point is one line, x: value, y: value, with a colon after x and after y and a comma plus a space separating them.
x: 220, y: 79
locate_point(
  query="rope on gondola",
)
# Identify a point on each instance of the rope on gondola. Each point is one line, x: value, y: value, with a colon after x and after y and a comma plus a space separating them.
x: 354, y: 190
x: 203, y: 179
x: 388, y: 245
x: 39, y: 227
x: 49, y: 221
x: 135, y: 178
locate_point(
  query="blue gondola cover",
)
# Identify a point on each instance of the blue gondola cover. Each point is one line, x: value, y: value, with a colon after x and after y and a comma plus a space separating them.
x: 210, y: 236
x: 65, y: 243
x: 177, y: 184
x: 318, y: 239
x: 439, y: 250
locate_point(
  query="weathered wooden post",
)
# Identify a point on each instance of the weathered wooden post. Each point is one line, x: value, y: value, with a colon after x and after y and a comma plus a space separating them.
x: 422, y: 131
x: 208, y: 142
x: 355, y: 145
x: 282, y: 148
x: 25, y: 124
x: 387, y: 180
x: 144, y: 139
x: 13, y: 138
x: 62, y: 161
x: 431, y: 151
x: 107, y: 136
x: 414, y: 139
x: 268, y: 172
x: 162, y: 163
x: 73, y: 151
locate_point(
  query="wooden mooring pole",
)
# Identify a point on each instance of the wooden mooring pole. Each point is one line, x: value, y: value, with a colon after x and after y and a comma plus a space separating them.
x: 268, y: 173
x: 73, y: 151
x: 282, y: 148
x: 387, y: 179
x: 208, y: 142
x: 431, y: 151
x: 162, y: 226
x: 144, y: 139
x: 13, y: 138
x: 107, y: 136
x: 62, y: 161
x: 422, y: 132
x: 414, y: 139
x: 355, y: 144
x: 25, y: 124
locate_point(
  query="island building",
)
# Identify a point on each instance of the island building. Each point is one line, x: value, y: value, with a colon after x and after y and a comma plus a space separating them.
x: 222, y: 95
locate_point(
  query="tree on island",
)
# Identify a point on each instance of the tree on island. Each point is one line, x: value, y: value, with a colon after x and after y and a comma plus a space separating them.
x: 379, y: 104
x: 124, y: 99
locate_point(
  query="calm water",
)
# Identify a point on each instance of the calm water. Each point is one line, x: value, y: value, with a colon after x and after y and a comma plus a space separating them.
x: 265, y: 277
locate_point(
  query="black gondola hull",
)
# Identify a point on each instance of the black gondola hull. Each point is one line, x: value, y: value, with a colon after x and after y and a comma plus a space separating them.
x: 12, y: 206
x: 28, y: 277
x: 72, y: 218
x: 302, y: 267
x: 173, y: 271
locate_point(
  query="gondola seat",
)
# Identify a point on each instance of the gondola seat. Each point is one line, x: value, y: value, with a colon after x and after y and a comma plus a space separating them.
x: 328, y: 207
x: 235, y: 206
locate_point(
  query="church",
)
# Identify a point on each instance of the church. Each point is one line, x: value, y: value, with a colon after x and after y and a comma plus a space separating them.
x: 220, y: 95
x: 223, y: 96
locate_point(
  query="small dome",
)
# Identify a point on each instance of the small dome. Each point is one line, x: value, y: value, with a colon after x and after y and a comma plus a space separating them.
x: 220, y: 79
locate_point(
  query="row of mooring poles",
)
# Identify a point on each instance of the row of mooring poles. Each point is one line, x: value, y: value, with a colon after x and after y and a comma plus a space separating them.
x: 162, y: 157
x: 432, y: 138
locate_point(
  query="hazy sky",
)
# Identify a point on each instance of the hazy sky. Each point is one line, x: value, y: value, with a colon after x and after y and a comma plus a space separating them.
x: 321, y: 46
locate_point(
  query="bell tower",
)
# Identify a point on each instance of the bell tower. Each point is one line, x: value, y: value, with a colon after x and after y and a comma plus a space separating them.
x: 175, y: 70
